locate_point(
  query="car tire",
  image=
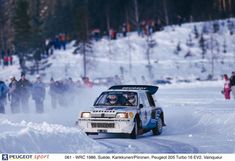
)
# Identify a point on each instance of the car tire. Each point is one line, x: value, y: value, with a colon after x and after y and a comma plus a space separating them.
x: 158, y: 129
x: 134, y: 132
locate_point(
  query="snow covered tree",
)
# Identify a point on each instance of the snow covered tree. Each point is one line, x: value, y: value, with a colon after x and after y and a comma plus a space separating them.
x: 225, y: 46
x: 189, y: 41
x: 216, y: 27
x: 196, y: 34
x: 205, y: 28
x: 231, y: 27
x: 150, y: 45
x: 202, y: 45
x: 178, y: 48
x: 214, y: 51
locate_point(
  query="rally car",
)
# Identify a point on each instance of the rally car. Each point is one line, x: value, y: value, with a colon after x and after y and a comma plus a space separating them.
x: 128, y: 109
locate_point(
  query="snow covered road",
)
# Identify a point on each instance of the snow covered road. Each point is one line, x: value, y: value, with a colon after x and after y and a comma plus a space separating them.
x: 198, y: 120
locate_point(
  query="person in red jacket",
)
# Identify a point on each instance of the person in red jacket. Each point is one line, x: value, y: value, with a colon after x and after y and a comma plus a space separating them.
x: 227, y: 87
x: 5, y: 59
x: 10, y: 60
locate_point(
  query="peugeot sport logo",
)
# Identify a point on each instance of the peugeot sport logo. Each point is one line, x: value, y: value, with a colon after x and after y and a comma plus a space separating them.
x: 4, y: 156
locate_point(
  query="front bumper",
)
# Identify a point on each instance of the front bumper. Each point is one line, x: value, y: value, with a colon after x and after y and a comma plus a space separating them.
x: 104, y: 125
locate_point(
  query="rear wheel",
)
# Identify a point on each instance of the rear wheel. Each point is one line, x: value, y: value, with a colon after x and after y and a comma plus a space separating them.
x: 134, y: 132
x: 158, y: 129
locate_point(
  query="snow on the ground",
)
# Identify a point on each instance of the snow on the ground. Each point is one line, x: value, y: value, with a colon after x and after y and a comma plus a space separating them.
x: 29, y: 137
x: 198, y: 118
x: 129, y: 54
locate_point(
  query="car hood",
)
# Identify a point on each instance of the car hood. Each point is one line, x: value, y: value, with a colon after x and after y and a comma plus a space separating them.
x: 110, y: 112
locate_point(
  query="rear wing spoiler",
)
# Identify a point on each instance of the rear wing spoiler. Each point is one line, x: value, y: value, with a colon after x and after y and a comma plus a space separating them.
x: 151, y: 89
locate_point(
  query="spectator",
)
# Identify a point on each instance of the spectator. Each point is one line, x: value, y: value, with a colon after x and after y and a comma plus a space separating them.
x: 5, y: 60
x: 96, y: 34
x: 227, y: 88
x: 87, y: 82
x: 10, y: 59
x: 3, y: 94
x: 124, y: 29
x: 53, y: 91
x: 13, y: 95
x: 232, y: 84
x: 113, y: 34
x: 62, y: 39
x: 179, y: 20
x: 2, y: 54
x: 24, y: 91
x: 38, y: 94
x: 47, y: 46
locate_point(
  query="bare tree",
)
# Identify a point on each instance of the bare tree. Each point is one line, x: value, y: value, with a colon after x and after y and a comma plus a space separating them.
x: 150, y: 45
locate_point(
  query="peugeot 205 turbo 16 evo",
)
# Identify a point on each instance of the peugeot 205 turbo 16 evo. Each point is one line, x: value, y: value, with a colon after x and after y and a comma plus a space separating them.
x: 128, y: 109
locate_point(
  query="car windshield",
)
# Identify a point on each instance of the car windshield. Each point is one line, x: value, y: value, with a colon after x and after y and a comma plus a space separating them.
x: 117, y: 98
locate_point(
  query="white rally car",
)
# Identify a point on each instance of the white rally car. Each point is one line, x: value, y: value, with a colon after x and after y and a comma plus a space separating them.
x: 128, y: 109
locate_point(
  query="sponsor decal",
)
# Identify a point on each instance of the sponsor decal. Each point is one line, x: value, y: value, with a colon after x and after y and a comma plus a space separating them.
x: 4, y: 156
x: 131, y: 114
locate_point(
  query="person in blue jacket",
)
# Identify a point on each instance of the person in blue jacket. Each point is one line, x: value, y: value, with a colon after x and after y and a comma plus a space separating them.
x: 3, y: 96
x: 38, y: 94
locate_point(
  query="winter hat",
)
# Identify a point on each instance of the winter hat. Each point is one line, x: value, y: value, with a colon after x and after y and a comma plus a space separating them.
x: 12, y: 77
x: 38, y: 76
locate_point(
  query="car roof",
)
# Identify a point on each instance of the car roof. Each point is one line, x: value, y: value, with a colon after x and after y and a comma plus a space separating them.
x: 149, y: 88
x: 122, y: 90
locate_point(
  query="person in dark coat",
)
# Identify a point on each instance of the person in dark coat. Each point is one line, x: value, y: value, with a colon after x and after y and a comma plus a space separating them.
x: 3, y: 94
x: 24, y: 92
x: 38, y: 94
x: 13, y: 95
x: 232, y: 84
x: 53, y: 91
x: 227, y: 87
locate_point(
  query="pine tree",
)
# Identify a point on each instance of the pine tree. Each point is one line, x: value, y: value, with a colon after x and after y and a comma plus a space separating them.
x: 178, y: 48
x: 2, y: 25
x: 195, y: 32
x: 84, y: 42
x: 202, y: 45
x: 231, y: 27
x: 36, y: 25
x: 21, y: 22
x: 224, y: 46
x: 216, y: 27
x: 189, y: 42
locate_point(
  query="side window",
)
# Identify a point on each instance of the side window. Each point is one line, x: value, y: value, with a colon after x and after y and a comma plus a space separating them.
x: 150, y: 99
x: 143, y: 99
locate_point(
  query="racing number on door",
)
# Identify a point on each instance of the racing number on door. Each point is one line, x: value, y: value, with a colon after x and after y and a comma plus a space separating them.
x: 145, y: 112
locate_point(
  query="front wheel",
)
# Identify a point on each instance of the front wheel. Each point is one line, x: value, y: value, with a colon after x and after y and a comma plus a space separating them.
x: 158, y: 129
x: 134, y: 132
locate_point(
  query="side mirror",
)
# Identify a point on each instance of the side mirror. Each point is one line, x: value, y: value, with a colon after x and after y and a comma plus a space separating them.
x: 141, y: 106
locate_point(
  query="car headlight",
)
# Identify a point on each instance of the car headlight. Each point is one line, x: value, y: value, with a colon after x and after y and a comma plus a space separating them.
x: 122, y: 115
x: 85, y: 115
